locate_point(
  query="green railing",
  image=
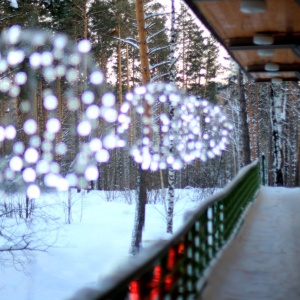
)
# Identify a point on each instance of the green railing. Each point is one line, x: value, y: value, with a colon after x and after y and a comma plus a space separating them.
x: 176, y: 269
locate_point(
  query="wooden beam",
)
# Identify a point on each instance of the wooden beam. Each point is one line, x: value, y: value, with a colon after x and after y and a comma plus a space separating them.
x: 198, y: 13
x: 292, y: 79
x: 261, y: 47
x: 208, y: 0
x: 296, y: 49
x: 298, y: 75
x: 282, y: 68
x: 282, y: 42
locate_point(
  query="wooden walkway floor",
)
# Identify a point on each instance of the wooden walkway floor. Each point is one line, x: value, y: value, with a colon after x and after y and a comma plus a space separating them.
x: 263, y: 260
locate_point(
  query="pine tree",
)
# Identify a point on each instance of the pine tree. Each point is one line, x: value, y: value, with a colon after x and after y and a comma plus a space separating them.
x: 145, y: 71
x: 212, y: 69
x: 244, y: 121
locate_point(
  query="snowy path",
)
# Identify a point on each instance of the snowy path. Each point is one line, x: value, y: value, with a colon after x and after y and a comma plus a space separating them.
x: 263, y: 261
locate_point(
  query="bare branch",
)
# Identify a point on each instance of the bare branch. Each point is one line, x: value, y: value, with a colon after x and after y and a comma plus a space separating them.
x: 12, y: 16
x: 8, y: 213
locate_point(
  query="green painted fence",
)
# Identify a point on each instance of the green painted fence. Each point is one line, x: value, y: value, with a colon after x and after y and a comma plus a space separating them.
x: 176, y: 269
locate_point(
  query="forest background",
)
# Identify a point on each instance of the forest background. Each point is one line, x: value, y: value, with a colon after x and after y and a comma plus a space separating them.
x: 265, y: 115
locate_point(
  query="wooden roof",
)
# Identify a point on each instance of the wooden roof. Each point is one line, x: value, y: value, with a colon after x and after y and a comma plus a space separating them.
x: 236, y: 30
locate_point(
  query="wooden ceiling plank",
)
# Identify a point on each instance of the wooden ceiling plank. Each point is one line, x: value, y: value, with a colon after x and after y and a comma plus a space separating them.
x: 282, y: 68
x: 282, y: 42
x: 235, y: 30
x: 261, y: 47
x: 296, y: 50
x: 294, y: 79
x: 209, y: 1
x: 298, y: 75
x: 251, y: 57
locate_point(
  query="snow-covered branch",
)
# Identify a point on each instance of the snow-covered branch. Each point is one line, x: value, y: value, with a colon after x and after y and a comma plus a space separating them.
x: 156, y: 49
x: 159, y: 76
x: 172, y: 63
x: 150, y: 25
x: 149, y: 16
x: 154, y: 35
x: 131, y: 41
x: 152, y: 67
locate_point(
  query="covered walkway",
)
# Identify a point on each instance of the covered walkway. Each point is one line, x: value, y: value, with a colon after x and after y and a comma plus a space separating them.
x: 263, y: 261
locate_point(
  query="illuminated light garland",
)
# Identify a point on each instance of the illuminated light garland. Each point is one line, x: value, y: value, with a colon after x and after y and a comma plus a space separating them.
x: 207, y: 134
x: 52, y: 56
x: 197, y: 130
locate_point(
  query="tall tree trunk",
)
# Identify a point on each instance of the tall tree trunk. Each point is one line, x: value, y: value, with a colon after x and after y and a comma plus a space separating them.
x: 119, y: 176
x: 251, y: 122
x: 127, y: 69
x: 145, y: 70
x: 85, y: 36
x: 171, y: 173
x: 104, y: 64
x: 59, y: 108
x: 27, y: 207
x: 297, y: 179
x: 120, y: 83
x: 140, y: 214
x: 206, y: 75
x: 276, y: 98
x: 257, y: 127
x: 246, y: 152
x: 143, y: 47
x: 183, y: 59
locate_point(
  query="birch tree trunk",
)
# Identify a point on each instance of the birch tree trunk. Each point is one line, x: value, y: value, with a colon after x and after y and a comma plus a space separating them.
x: 257, y: 125
x: 183, y: 58
x: 171, y: 173
x: 276, y: 114
x: 293, y: 133
x: 251, y: 122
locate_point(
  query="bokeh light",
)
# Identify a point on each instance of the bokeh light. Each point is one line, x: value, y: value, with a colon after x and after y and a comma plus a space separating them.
x: 45, y: 139
x: 174, y: 128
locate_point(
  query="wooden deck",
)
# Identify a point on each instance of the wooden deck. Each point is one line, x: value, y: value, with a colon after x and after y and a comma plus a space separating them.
x: 263, y: 260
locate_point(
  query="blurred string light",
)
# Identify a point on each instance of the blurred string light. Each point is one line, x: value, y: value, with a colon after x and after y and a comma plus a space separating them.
x: 153, y: 147
x: 197, y: 130
x: 207, y: 133
x: 32, y: 164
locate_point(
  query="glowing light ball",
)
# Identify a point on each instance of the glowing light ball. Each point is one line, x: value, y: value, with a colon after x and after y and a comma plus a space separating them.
x: 174, y: 128
x: 49, y: 129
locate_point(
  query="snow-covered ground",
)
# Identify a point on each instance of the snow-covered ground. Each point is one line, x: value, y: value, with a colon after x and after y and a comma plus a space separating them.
x: 95, y: 243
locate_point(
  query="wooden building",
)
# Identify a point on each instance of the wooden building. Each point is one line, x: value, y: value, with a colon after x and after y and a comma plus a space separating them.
x: 263, y: 36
